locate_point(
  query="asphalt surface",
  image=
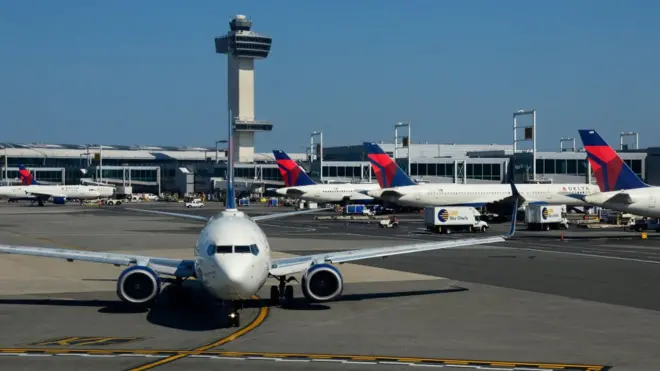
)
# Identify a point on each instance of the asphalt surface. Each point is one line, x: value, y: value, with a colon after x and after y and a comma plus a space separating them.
x: 588, y: 300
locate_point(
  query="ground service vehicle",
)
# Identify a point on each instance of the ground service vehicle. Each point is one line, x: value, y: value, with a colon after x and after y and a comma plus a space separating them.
x: 391, y: 222
x: 546, y: 217
x: 446, y: 219
x: 195, y: 203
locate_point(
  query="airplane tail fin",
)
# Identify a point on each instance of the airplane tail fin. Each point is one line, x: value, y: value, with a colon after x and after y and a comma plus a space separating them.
x: 388, y: 173
x: 290, y: 171
x: 25, y: 176
x: 612, y: 174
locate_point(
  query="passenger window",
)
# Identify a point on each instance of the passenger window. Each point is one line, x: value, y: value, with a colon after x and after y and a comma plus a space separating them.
x: 244, y: 249
x: 223, y: 249
x: 254, y: 249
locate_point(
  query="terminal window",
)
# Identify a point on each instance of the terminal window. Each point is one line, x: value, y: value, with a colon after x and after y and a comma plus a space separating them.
x: 576, y: 167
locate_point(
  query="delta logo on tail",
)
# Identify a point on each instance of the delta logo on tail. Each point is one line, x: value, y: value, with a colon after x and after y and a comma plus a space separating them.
x: 25, y: 176
x: 290, y: 171
x: 612, y: 174
x: 388, y: 173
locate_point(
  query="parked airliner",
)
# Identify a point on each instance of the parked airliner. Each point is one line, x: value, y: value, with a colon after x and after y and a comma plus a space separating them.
x: 396, y: 187
x: 299, y: 185
x: 31, y: 190
x: 232, y: 260
x: 620, y: 188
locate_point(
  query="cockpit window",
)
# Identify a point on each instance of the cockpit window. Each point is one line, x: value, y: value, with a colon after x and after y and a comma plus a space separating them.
x: 254, y: 249
x: 242, y: 249
x: 223, y: 249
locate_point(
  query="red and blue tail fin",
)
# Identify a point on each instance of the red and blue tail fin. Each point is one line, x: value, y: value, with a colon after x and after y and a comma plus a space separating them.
x: 612, y: 174
x: 388, y: 173
x: 25, y: 176
x: 291, y: 172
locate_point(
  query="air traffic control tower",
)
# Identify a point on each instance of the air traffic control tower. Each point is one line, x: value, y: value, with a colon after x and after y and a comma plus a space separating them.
x: 242, y: 47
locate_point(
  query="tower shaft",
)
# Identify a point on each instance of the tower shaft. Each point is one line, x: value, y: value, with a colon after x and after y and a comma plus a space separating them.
x: 240, y: 78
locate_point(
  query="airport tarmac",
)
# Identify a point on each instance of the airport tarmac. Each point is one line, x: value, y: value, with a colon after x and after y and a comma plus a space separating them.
x: 581, y: 304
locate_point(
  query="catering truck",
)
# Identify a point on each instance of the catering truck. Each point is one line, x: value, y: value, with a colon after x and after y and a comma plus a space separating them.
x: 447, y: 219
x: 546, y: 217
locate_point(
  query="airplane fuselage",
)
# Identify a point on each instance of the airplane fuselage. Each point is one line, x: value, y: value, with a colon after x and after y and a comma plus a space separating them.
x: 480, y: 194
x: 639, y: 201
x: 67, y: 191
x: 232, y: 257
x: 330, y: 193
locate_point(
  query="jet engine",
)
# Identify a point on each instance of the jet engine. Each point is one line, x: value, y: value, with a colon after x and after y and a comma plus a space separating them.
x: 322, y: 282
x: 138, y: 285
x: 59, y: 200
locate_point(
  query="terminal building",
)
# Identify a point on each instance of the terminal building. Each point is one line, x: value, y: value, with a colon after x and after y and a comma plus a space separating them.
x: 196, y: 170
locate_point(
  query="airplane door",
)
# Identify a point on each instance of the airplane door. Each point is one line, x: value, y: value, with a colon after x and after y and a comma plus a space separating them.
x: 651, y: 201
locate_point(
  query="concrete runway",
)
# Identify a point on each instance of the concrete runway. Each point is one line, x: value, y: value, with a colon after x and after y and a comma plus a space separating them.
x: 586, y: 303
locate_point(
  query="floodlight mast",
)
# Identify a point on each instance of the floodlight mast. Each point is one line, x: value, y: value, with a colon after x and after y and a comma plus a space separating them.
x: 516, y: 114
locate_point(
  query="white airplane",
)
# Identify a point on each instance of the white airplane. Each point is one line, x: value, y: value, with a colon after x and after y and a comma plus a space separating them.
x: 620, y: 188
x: 33, y: 191
x: 232, y: 260
x: 299, y: 185
x: 398, y: 188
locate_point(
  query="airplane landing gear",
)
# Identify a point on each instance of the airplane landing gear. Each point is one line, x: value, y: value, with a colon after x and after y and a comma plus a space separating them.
x: 282, y: 293
x: 233, y: 317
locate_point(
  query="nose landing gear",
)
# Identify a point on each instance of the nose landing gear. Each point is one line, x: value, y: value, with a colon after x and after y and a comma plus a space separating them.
x: 233, y: 317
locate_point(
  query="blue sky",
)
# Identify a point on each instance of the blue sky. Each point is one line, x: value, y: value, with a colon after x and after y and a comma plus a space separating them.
x: 145, y: 72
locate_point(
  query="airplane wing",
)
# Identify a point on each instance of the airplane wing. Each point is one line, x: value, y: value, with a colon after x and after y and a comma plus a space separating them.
x: 43, y: 194
x: 287, y: 266
x: 173, y: 267
x: 206, y: 219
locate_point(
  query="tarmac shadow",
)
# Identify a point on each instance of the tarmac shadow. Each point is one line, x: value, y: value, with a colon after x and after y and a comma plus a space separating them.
x: 300, y: 303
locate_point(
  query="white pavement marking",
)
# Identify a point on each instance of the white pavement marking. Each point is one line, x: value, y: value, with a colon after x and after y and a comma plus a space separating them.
x: 590, y: 255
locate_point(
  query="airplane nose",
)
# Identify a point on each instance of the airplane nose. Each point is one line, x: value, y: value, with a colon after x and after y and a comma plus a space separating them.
x: 232, y: 267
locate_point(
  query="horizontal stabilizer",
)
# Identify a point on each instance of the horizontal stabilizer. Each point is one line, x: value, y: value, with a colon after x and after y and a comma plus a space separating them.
x: 391, y: 193
x: 294, y: 192
x: 620, y: 198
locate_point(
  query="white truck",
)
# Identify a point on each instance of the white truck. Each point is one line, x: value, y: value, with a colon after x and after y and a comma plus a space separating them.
x: 546, y: 217
x: 194, y: 203
x: 446, y: 219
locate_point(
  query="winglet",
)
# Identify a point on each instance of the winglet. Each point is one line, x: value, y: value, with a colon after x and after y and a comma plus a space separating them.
x: 514, y: 215
x: 231, y: 198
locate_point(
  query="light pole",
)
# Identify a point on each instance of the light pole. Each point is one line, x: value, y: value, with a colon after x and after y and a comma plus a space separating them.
x: 217, y: 149
x: 6, y: 173
x: 530, y: 134
x: 629, y: 134
x: 318, y: 152
x: 561, y: 143
x: 406, y: 144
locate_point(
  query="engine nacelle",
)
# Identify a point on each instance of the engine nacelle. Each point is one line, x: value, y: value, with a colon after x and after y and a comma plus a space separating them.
x: 322, y: 282
x: 59, y: 200
x: 138, y: 285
